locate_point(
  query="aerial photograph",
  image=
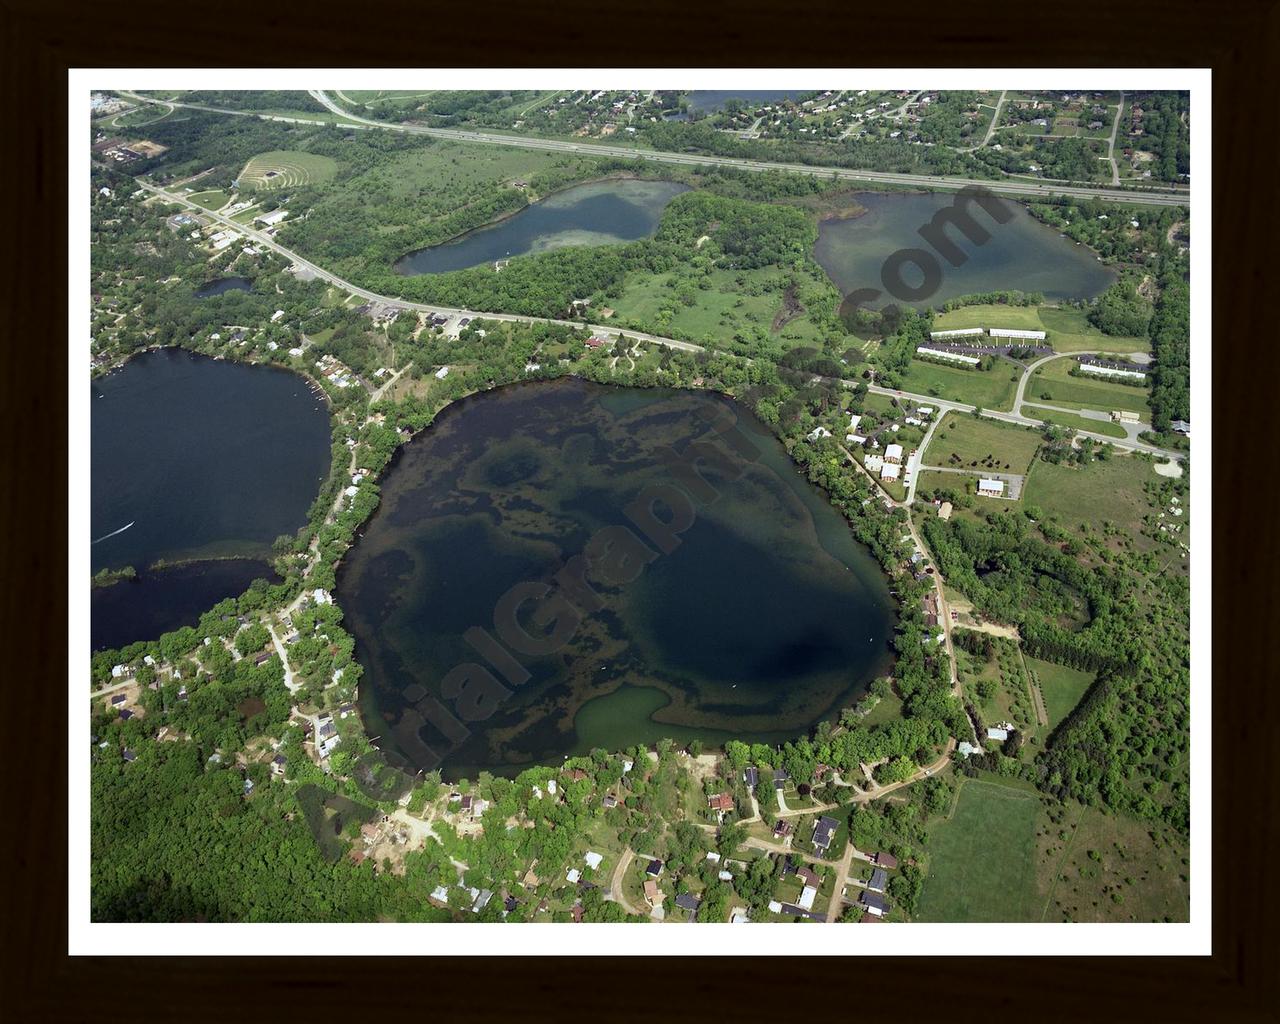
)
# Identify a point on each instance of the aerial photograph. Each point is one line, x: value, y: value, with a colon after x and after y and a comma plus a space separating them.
x: 581, y: 505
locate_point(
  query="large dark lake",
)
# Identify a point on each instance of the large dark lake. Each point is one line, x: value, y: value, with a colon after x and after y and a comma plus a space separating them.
x: 767, y: 618
x: 1021, y: 254
x: 194, y: 459
x: 598, y: 213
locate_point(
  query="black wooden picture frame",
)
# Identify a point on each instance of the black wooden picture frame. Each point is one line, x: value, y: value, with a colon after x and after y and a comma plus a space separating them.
x: 1237, y: 39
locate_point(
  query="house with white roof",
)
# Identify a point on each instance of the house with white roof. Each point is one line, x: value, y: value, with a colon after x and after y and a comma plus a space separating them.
x: 893, y: 453
x: 991, y: 488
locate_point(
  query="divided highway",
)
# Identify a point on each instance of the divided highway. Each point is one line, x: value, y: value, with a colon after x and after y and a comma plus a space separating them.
x: 1024, y: 190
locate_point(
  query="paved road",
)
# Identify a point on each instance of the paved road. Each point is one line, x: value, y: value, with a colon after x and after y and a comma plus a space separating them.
x: 1111, y: 145
x: 1014, y: 480
x: 1150, y: 197
x: 686, y: 346
x: 1132, y: 430
x: 1020, y: 420
x: 995, y: 123
x: 1161, y: 198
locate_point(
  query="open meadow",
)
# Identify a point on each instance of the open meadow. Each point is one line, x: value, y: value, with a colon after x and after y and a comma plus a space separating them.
x: 966, y: 442
x: 992, y: 389
x: 982, y: 858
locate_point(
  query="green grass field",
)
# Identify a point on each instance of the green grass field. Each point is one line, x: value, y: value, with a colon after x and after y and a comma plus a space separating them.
x: 947, y: 482
x: 1062, y: 687
x: 972, y: 440
x: 991, y: 390
x: 1067, y: 419
x: 213, y: 199
x: 982, y: 864
x: 286, y: 168
x: 1054, y: 379
x: 1110, y: 491
x: 1069, y: 329
x: 719, y: 313
x: 1111, y: 868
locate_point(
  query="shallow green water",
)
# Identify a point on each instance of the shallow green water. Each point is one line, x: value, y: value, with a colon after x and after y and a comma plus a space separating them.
x: 766, y: 617
x: 1020, y: 254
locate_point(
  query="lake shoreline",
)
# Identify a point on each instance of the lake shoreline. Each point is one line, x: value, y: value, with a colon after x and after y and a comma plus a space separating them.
x: 695, y: 715
x: 529, y: 204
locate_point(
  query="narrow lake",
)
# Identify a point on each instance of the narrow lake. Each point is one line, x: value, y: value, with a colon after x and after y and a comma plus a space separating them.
x: 597, y: 213
x: 767, y: 617
x: 715, y: 99
x: 1021, y: 254
x: 224, y: 285
x: 193, y: 458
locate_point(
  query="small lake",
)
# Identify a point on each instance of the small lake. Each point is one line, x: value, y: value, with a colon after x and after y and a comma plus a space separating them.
x: 714, y: 99
x: 1022, y: 254
x: 158, y: 601
x: 224, y: 285
x: 597, y: 213
x: 767, y: 617
x: 197, y: 458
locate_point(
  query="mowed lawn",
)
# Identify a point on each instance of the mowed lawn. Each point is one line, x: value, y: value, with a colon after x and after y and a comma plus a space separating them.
x: 972, y: 440
x: 1063, y: 688
x: 982, y: 861
x: 1055, y: 380
x: 1110, y: 491
x: 1070, y: 419
x: 992, y: 389
x: 1069, y: 329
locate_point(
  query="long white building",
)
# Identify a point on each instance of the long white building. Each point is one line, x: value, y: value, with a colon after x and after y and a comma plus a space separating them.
x: 1107, y: 371
x: 966, y: 332
x: 1006, y: 332
x: 938, y: 353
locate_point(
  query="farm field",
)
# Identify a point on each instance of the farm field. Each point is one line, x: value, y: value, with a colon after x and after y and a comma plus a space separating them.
x: 1062, y: 687
x: 972, y: 440
x: 1054, y: 380
x: 982, y: 863
x: 1069, y: 330
x: 1101, y: 492
x: 991, y: 390
x: 287, y: 169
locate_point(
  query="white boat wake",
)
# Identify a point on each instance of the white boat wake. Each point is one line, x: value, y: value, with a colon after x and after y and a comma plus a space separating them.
x: 114, y: 532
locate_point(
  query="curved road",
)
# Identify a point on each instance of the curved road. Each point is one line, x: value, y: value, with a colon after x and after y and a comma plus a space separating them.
x: 1009, y: 188
x: 686, y: 346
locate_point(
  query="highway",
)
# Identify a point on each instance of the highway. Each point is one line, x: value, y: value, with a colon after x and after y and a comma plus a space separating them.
x: 1009, y: 188
x: 687, y: 346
